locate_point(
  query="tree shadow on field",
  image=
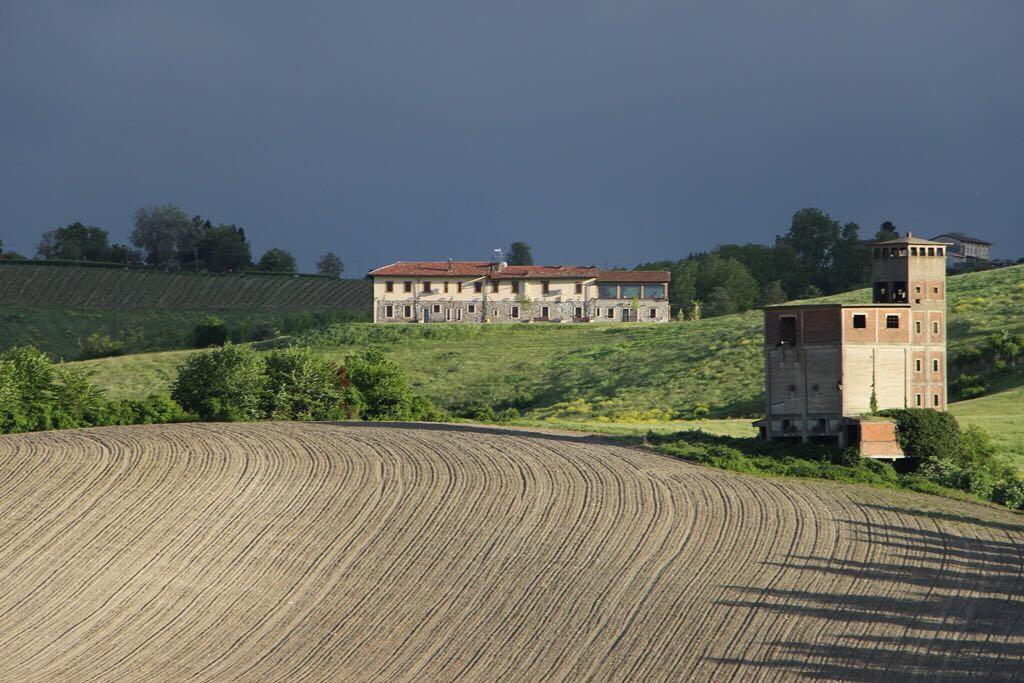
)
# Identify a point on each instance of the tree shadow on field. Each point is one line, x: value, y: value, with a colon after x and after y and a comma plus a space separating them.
x: 933, y: 605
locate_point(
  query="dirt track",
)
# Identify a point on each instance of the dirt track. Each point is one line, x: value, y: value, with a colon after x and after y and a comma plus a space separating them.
x: 281, y: 552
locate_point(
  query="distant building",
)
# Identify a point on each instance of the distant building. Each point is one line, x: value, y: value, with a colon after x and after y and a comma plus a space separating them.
x: 964, y: 249
x: 480, y: 291
x: 825, y: 362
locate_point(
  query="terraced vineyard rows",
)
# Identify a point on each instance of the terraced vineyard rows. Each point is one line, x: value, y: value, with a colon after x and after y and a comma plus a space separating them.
x: 74, y: 287
x: 283, y: 552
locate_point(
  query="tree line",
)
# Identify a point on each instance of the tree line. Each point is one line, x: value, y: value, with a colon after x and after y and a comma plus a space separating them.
x: 165, y: 237
x: 817, y: 256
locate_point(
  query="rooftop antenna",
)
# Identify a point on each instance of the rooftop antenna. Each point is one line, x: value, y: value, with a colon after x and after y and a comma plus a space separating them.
x: 498, y: 253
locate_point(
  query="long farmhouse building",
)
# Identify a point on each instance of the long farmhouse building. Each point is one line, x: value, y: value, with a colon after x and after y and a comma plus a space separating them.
x: 481, y: 291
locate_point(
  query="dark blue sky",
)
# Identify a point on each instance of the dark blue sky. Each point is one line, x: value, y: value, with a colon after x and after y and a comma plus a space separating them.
x: 597, y: 131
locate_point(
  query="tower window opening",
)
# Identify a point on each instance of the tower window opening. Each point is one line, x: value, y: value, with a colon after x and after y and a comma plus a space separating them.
x: 787, y: 330
x: 860, y: 321
x: 892, y: 322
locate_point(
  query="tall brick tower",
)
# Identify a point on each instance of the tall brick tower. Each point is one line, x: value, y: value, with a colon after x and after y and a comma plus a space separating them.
x: 912, y: 271
x: 826, y: 365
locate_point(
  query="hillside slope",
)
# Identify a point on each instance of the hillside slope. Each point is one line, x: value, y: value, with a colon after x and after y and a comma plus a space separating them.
x: 614, y: 372
x: 322, y: 552
x: 56, y: 308
x: 39, y: 286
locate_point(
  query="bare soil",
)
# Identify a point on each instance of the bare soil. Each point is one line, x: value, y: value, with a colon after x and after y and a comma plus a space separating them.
x: 285, y: 552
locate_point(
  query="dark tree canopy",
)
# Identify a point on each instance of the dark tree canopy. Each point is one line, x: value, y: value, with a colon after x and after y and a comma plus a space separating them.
x: 158, y: 232
x: 519, y: 254
x: 75, y: 242
x: 223, y: 249
x: 277, y: 261
x: 330, y: 264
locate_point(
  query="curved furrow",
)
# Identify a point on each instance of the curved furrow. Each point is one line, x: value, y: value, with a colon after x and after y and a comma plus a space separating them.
x: 322, y: 552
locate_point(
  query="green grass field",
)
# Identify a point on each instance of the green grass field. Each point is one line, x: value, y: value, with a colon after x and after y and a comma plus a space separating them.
x: 1001, y: 415
x: 621, y: 379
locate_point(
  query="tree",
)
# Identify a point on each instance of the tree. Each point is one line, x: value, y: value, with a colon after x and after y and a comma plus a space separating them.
x: 223, y: 249
x: 122, y: 253
x: 773, y: 294
x: 305, y: 385
x: 719, y: 303
x: 385, y: 391
x: 851, y: 261
x: 277, y: 261
x: 330, y: 264
x: 75, y: 242
x: 519, y: 254
x: 186, y: 244
x: 728, y: 274
x: 158, y: 231
x: 886, y: 231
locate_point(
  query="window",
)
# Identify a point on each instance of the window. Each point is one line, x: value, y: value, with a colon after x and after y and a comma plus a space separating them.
x: 935, y: 400
x: 913, y: 251
x: 458, y: 287
x: 578, y: 312
x: 407, y: 286
x: 544, y: 312
x: 607, y: 292
x: 653, y: 313
x: 478, y: 286
x: 515, y: 286
x: 860, y: 321
x: 892, y: 322
x: 494, y: 286
x: 630, y: 292
x: 408, y: 311
x: 437, y: 308
x: 458, y: 314
x: 515, y: 312
x: 579, y: 287
x: 545, y: 287
x: 935, y: 327
x: 917, y: 365
x: 654, y: 291
x: 471, y: 308
x: 445, y: 286
x: 881, y: 292
x: 389, y: 311
x: 938, y: 251
x: 787, y: 330
x: 931, y: 251
x: 917, y: 399
x: 426, y: 286
x: 935, y: 365
x: 935, y: 290
x: 917, y: 290
x: 917, y: 326
x: 448, y: 314
x: 899, y: 292
x: 389, y: 286
x: 611, y: 313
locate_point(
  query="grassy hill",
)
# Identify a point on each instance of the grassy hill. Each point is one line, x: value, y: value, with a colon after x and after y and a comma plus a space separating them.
x: 56, y: 307
x: 617, y: 373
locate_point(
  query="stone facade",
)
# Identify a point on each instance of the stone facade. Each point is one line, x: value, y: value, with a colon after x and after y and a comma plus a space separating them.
x: 482, y: 310
x: 478, y: 292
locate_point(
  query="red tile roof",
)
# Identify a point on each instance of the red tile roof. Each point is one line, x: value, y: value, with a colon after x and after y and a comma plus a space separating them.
x: 486, y: 269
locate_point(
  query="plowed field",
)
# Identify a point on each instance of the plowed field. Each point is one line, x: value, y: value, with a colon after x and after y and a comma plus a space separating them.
x: 284, y: 552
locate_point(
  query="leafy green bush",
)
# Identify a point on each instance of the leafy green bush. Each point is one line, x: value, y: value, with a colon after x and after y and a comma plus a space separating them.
x: 263, y: 331
x: 385, y: 390
x: 211, y: 331
x: 227, y: 384
x: 305, y: 385
x: 155, y: 409
x: 925, y: 433
x: 100, y: 345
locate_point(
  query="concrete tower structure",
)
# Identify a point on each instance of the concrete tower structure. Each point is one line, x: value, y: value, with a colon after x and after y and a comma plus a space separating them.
x: 828, y: 365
